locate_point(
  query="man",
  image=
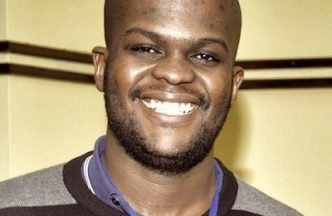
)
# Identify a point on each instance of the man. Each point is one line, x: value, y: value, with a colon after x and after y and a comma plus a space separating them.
x: 169, y: 79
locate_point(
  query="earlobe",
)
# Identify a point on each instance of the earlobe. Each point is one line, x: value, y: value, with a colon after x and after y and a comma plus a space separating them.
x: 99, y: 57
x: 238, y: 75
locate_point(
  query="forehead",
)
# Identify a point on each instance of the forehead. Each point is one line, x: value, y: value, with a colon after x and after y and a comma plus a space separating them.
x: 169, y: 8
x: 200, y: 12
x: 187, y: 18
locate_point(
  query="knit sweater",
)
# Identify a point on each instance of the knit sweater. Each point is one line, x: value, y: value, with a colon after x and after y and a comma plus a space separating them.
x: 61, y: 190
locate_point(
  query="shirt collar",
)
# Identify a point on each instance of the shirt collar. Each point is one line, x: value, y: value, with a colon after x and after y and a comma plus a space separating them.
x: 100, y: 183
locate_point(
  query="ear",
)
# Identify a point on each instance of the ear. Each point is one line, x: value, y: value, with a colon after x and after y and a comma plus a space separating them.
x: 99, y: 57
x: 238, y: 74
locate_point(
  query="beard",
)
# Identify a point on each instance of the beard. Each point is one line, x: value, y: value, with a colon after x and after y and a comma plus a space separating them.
x: 126, y: 130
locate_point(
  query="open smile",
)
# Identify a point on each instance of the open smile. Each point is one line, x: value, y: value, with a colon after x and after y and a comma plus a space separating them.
x: 169, y: 108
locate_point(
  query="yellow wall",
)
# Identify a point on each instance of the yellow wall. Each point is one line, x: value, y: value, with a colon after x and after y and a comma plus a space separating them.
x: 4, y: 127
x: 52, y: 121
x: 288, y: 28
x: 280, y: 141
x: 74, y: 25
x: 277, y: 140
x: 48, y: 121
x: 3, y: 19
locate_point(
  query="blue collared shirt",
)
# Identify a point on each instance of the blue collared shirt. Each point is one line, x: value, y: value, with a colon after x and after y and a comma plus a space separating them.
x: 100, y: 183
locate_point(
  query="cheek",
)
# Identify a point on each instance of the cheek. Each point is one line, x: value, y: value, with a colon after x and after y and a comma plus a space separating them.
x: 116, y: 94
x: 120, y: 77
x: 218, y: 86
x: 124, y: 79
x: 127, y: 72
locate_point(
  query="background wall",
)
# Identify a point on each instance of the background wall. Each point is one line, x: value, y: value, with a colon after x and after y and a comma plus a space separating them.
x: 288, y: 28
x: 276, y: 139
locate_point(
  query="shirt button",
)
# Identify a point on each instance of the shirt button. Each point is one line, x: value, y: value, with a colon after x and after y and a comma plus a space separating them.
x: 115, y: 199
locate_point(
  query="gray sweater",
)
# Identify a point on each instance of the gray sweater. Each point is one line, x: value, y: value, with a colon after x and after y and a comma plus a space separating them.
x: 61, y: 190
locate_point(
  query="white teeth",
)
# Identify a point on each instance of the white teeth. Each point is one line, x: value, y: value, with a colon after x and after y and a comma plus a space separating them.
x: 169, y: 108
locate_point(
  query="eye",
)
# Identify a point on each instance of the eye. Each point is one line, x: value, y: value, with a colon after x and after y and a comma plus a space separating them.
x: 145, y: 50
x: 205, y: 57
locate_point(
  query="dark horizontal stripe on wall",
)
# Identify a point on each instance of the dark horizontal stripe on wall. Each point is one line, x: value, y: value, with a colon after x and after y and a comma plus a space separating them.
x: 45, y: 52
x: 287, y: 83
x: 45, y: 73
x: 286, y: 63
x: 86, y: 78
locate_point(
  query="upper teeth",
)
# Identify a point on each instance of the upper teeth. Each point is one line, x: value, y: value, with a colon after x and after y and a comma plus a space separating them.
x: 169, y: 108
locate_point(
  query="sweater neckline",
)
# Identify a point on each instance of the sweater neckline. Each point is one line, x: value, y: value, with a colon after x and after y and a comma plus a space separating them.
x: 77, y: 187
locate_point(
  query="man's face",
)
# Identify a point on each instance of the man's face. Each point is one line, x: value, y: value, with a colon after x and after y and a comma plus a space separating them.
x: 169, y: 80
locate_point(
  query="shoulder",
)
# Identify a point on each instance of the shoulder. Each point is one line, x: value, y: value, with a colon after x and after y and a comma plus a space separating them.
x: 251, y: 199
x: 44, y: 187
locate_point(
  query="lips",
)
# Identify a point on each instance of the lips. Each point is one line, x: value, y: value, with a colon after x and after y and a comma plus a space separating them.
x: 169, y: 108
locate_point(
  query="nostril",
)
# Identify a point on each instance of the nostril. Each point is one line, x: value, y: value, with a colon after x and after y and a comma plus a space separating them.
x: 174, y: 74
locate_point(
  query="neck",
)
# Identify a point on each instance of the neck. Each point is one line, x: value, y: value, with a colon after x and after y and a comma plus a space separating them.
x: 152, y: 193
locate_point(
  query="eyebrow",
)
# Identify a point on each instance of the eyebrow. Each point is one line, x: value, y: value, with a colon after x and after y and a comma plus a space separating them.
x: 205, y: 41
x: 161, y: 39
x: 149, y: 34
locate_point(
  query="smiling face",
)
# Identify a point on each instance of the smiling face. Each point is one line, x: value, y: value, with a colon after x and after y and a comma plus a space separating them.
x: 168, y: 78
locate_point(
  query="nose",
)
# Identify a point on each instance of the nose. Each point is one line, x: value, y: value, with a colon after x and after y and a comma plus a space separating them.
x: 174, y: 70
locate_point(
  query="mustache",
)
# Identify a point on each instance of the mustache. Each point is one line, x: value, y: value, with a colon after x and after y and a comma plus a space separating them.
x: 204, y: 100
